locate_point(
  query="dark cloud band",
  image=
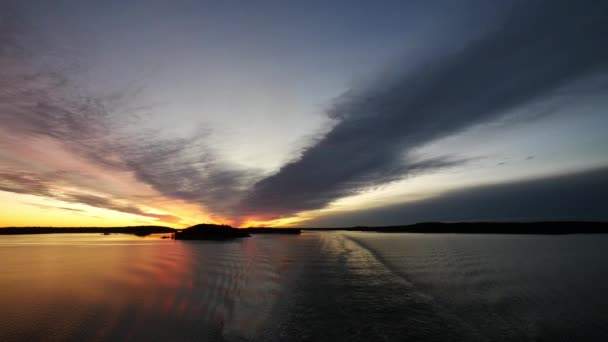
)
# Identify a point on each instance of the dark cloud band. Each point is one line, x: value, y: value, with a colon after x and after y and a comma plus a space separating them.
x: 540, y: 47
x: 578, y: 196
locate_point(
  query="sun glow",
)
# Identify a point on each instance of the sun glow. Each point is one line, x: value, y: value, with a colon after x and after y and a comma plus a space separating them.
x: 30, y: 210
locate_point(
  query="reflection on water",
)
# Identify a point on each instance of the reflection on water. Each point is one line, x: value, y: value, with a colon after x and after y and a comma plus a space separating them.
x: 331, y: 286
x: 122, y: 287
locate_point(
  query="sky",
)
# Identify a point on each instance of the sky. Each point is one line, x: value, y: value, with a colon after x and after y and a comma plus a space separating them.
x: 310, y: 114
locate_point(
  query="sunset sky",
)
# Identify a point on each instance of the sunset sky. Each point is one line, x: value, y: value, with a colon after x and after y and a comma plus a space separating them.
x: 302, y: 113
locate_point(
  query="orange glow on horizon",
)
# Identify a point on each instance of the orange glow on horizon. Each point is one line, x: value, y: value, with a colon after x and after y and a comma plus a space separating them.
x: 24, y: 210
x: 72, y: 191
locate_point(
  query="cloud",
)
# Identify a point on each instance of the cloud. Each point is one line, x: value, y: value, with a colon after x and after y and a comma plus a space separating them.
x: 187, y: 169
x: 541, y: 47
x: 575, y: 196
x: 106, y: 203
x: 36, y: 101
x: 54, y: 207
x: 23, y: 183
x: 315, y: 190
x: 45, y: 185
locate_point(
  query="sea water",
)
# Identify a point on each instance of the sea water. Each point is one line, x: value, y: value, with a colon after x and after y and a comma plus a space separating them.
x: 318, y: 286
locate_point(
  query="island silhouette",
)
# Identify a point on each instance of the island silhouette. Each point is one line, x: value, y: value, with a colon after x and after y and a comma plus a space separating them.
x: 206, y: 231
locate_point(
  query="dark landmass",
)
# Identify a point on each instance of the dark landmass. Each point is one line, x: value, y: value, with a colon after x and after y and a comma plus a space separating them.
x: 215, y: 232
x: 210, y: 232
x: 147, y: 230
x: 135, y: 230
x: 544, y: 227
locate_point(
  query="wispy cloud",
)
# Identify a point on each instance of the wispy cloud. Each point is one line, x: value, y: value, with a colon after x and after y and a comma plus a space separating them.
x: 47, y: 185
x: 38, y: 102
x: 103, y: 202
x: 23, y: 183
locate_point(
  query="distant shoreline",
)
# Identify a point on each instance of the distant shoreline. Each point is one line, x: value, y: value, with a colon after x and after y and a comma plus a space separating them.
x: 539, y: 228
x: 135, y: 230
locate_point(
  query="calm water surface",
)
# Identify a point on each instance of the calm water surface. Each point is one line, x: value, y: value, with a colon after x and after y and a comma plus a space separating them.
x: 314, y: 287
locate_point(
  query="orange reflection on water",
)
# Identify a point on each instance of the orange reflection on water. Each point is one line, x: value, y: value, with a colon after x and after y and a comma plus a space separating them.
x: 117, y: 287
x: 58, y: 283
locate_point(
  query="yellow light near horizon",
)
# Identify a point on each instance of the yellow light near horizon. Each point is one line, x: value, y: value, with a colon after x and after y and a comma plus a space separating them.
x: 22, y: 210
x: 29, y: 210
